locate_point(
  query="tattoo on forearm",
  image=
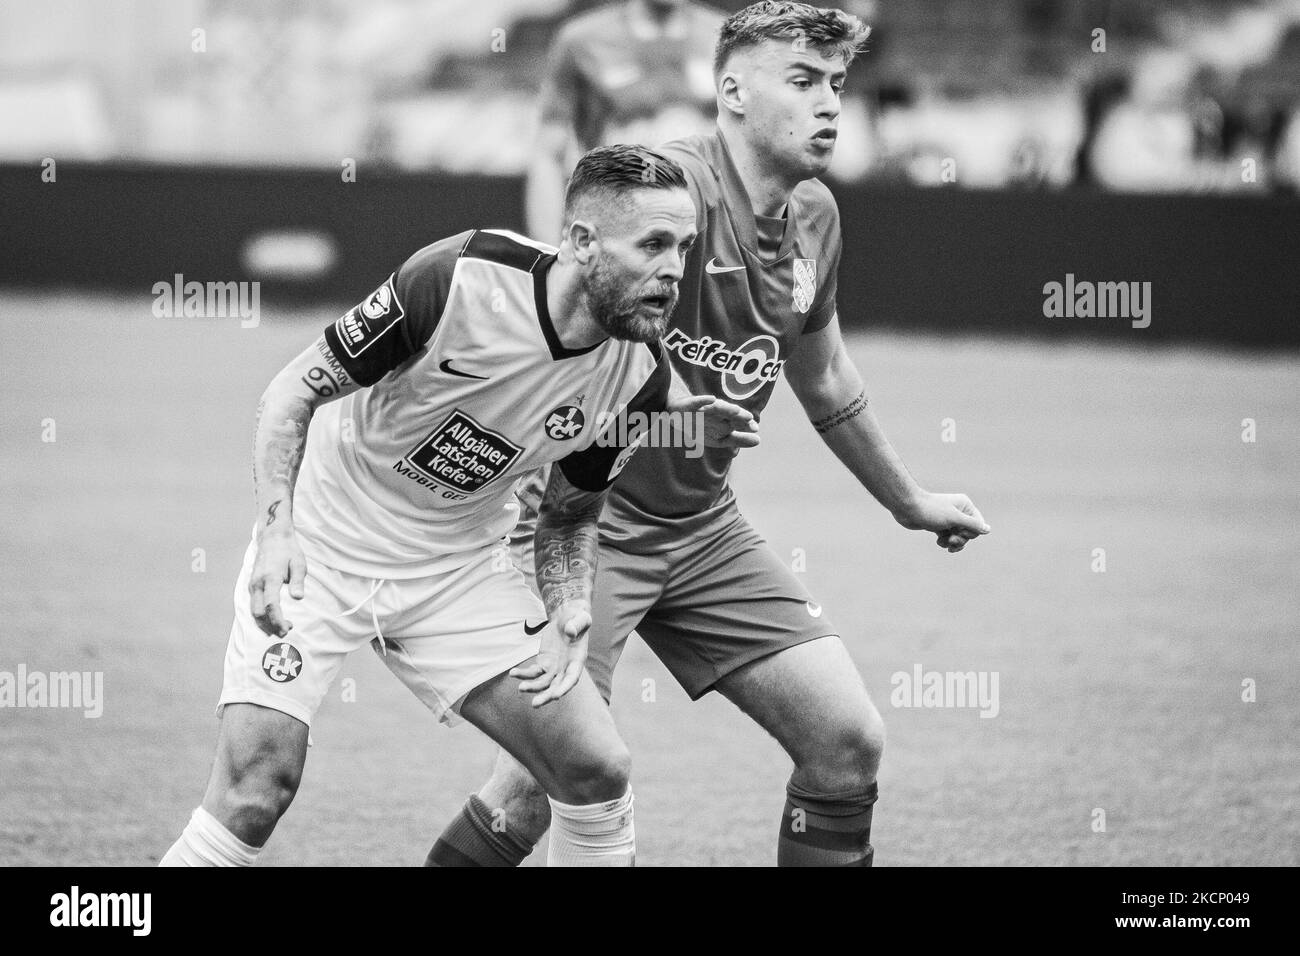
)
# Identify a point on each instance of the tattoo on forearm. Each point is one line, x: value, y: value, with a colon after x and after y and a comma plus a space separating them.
x: 281, y: 440
x: 851, y: 410
x: 566, y: 562
x: 567, y: 543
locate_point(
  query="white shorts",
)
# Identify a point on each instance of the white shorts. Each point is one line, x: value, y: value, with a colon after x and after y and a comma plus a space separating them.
x: 441, y: 635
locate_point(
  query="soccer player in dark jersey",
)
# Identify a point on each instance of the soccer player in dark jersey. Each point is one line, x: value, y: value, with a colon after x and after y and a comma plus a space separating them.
x: 678, y: 561
x: 632, y: 72
x: 483, y: 357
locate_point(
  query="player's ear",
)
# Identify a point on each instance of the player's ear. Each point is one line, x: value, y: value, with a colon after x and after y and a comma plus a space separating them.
x: 582, y: 240
x: 730, y: 96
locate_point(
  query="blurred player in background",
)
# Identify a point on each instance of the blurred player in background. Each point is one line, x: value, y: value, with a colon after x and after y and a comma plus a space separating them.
x: 679, y: 563
x: 635, y: 71
x: 485, y: 356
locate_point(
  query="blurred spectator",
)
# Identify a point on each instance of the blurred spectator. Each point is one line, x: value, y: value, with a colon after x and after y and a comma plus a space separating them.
x: 637, y: 71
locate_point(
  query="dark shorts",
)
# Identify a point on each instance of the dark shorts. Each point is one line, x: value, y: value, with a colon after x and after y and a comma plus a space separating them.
x: 716, y: 603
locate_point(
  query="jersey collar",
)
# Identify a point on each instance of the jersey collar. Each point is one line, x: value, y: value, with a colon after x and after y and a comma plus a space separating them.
x: 540, y: 268
x: 741, y: 210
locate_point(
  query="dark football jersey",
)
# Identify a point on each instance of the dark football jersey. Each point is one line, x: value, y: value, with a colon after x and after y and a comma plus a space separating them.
x: 738, y: 318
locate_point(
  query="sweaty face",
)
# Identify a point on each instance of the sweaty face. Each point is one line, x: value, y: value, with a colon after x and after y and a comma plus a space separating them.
x: 631, y: 287
x: 791, y: 95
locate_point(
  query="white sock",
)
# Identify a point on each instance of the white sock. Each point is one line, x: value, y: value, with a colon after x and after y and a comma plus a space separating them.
x: 205, y: 842
x: 598, y: 834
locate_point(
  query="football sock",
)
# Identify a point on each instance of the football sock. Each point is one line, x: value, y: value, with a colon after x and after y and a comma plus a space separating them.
x: 470, y: 840
x: 598, y: 834
x: 826, y: 829
x: 205, y: 842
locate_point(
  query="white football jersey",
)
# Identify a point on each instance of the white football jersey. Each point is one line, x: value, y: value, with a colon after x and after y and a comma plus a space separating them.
x: 468, y: 389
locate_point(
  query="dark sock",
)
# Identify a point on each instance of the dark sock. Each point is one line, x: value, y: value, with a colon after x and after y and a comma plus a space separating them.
x: 469, y: 840
x: 826, y: 829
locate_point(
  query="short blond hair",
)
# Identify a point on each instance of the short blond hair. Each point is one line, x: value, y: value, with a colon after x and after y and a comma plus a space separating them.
x: 827, y: 30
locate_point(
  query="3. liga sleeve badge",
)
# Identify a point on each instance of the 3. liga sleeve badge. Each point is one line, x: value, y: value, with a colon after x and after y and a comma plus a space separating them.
x: 805, y: 284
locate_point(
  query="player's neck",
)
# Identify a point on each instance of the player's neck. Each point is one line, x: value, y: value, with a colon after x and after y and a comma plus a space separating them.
x: 768, y: 189
x: 574, y: 325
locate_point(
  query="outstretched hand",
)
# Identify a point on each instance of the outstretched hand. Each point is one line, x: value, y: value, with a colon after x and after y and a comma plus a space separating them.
x: 725, y: 425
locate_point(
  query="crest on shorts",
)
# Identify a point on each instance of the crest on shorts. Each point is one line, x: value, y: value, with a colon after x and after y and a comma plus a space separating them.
x: 282, y: 663
x: 805, y: 284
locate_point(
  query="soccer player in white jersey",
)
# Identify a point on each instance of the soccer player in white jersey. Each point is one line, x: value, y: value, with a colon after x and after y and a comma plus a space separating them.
x: 483, y: 357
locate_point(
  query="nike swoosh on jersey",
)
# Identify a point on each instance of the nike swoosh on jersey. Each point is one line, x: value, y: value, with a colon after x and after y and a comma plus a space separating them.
x: 533, y: 630
x: 714, y: 270
x: 814, y: 609
x: 445, y: 365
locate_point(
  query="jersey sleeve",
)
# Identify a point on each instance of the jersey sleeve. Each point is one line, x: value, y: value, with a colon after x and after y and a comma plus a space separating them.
x: 824, y: 305
x: 595, y: 467
x: 397, y: 320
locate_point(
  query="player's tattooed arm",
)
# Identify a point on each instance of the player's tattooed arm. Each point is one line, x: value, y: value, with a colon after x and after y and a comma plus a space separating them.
x: 566, y: 543
x: 565, y: 549
x: 284, y: 413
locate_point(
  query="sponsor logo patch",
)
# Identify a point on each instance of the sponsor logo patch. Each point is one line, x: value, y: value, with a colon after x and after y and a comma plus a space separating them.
x: 459, y: 455
x: 565, y: 422
x: 805, y: 284
x: 363, y: 324
x: 744, y: 370
x: 281, y: 662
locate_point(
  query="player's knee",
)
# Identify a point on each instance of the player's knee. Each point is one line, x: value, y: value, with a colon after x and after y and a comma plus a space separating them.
x: 849, y: 755
x: 259, y: 788
x: 597, y: 775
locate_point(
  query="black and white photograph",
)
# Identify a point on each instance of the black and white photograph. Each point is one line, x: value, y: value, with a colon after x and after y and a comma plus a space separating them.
x: 657, y: 433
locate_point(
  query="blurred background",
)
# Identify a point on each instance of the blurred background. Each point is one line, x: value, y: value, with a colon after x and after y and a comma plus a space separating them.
x: 1153, y: 95
x: 987, y: 146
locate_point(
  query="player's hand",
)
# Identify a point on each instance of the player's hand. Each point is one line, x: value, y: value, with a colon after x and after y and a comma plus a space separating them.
x: 279, y: 561
x: 562, y: 656
x: 725, y: 425
x: 953, y: 519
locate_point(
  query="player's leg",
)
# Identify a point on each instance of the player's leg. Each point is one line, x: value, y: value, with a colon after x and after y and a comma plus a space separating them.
x: 735, y: 618
x: 255, y: 775
x: 572, y: 749
x: 625, y: 587
x: 811, y: 699
x: 454, y: 655
x: 273, y: 686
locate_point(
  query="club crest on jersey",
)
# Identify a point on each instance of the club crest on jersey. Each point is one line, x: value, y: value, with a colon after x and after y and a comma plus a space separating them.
x: 744, y: 370
x: 565, y: 422
x: 459, y: 457
x: 281, y: 663
x: 805, y: 284
x: 362, y: 325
